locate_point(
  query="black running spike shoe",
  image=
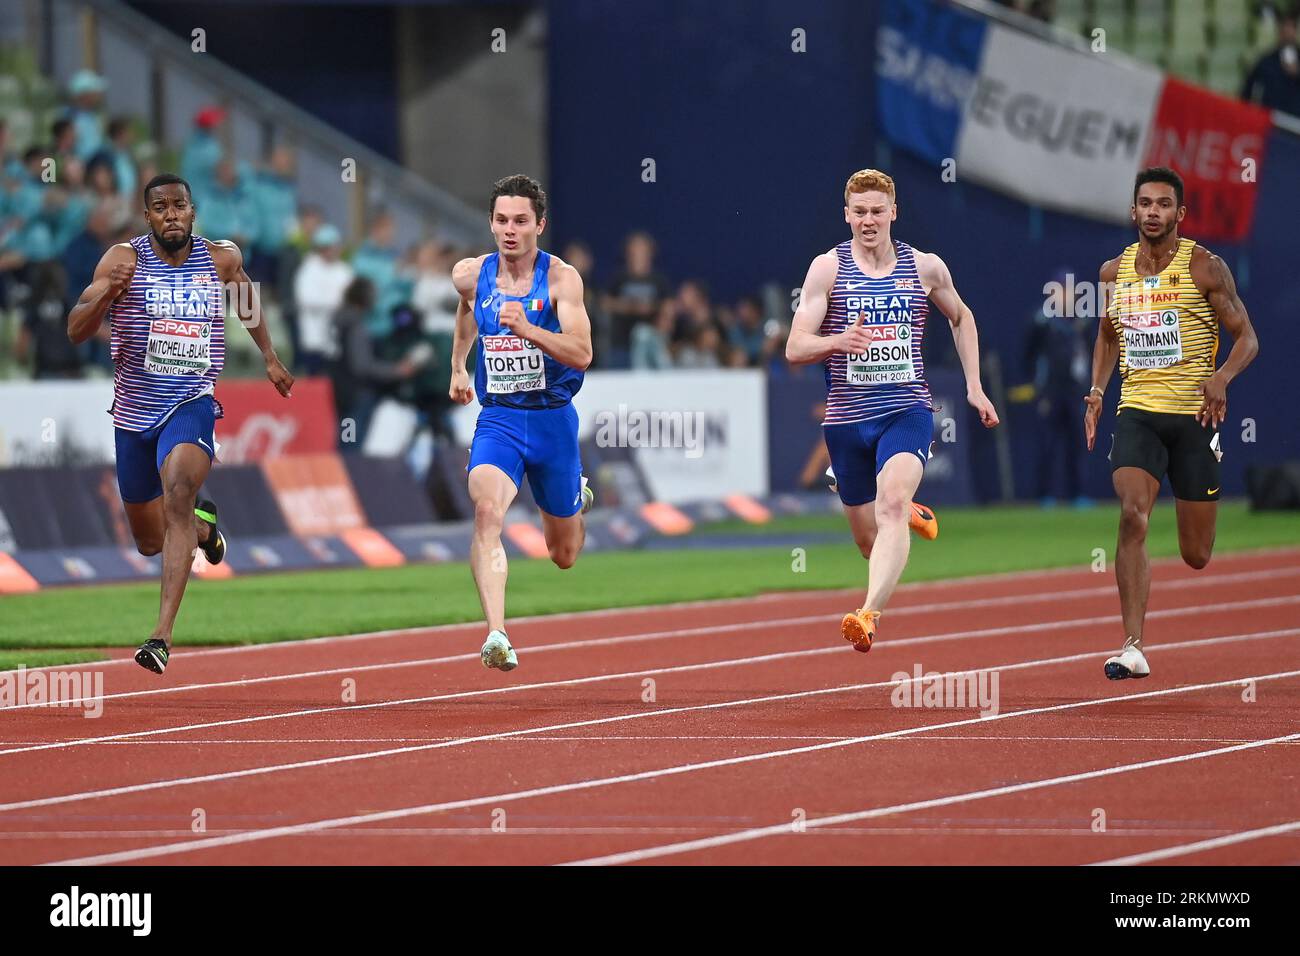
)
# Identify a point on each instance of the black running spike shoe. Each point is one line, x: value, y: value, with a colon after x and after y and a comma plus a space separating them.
x: 214, y: 549
x: 153, y: 655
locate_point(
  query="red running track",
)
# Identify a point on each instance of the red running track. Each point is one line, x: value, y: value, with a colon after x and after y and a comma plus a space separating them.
x: 728, y: 732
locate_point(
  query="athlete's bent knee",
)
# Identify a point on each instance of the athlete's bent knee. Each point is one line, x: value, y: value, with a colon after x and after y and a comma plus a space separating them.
x: 865, y: 544
x: 564, y: 556
x: 178, y: 500
x: 488, y: 515
x: 149, y: 547
x: 1196, y: 558
x: 1133, y: 521
x: 891, y: 508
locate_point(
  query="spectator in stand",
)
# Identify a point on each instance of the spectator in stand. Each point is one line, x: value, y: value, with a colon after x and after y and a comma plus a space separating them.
x: 79, y: 259
x: 652, y: 341
x: 429, y: 356
x: 318, y: 293
x: 67, y: 207
x: 228, y: 211
x: 377, y: 259
x: 634, y: 295
x: 1274, y: 81
x: 291, y: 258
x: 103, y: 191
x: 10, y: 165
x: 203, y: 152
x: 86, y: 88
x: 43, y: 338
x: 118, y: 152
x: 63, y: 132
x: 1057, y: 353
x: 359, y: 376
x: 435, y: 295
x: 695, y: 312
x: 702, y: 349
x: 745, y: 334
x: 275, y: 193
x: 578, y: 254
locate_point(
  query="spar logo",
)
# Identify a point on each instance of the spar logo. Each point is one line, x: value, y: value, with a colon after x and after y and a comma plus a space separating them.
x: 1150, y: 321
x: 505, y: 343
x: 189, y: 330
x: 887, y: 334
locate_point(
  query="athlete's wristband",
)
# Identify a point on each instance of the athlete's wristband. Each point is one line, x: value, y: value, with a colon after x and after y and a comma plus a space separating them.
x: 1099, y: 391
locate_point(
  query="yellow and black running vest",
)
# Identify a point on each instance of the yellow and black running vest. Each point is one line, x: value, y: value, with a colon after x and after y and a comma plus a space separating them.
x: 1168, y: 335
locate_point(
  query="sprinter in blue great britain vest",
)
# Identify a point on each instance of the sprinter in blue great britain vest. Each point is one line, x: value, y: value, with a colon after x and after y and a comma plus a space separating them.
x: 525, y: 308
x: 862, y: 314
x: 163, y: 294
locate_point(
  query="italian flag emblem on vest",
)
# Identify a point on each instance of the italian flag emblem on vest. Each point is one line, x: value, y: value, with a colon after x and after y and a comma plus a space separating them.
x: 536, y: 305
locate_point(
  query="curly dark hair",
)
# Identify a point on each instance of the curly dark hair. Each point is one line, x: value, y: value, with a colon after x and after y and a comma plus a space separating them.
x: 520, y: 185
x: 1159, y: 174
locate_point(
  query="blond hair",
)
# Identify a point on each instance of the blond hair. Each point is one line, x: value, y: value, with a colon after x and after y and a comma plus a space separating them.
x: 869, y: 180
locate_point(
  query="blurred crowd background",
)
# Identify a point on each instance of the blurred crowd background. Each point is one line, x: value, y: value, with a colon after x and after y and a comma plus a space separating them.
x: 375, y: 314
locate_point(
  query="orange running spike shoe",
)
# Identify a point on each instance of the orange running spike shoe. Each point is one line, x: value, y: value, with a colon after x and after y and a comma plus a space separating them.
x: 859, y: 628
x: 923, y: 522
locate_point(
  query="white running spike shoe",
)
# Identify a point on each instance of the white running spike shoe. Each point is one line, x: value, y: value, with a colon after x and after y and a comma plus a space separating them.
x: 1130, y: 662
x: 498, y: 653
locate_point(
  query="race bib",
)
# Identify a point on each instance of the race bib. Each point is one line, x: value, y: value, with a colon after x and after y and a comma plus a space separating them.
x: 888, y: 360
x: 512, y: 365
x: 1152, y: 339
x: 178, y: 347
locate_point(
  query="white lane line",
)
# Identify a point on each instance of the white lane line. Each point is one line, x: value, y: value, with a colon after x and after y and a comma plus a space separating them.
x: 327, y: 824
x: 940, y: 829
x: 784, y: 828
x: 511, y: 688
x: 1170, y: 852
x: 529, y: 731
x: 662, y: 635
x: 605, y: 738
x: 1034, y: 597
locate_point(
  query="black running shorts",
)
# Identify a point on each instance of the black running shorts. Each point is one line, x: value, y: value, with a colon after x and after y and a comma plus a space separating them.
x: 1179, y: 445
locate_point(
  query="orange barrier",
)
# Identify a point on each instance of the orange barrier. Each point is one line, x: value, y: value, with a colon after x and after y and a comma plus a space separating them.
x: 528, y: 539
x: 14, y: 578
x: 372, y: 547
x: 666, y: 519
x: 315, y: 494
x: 743, y: 506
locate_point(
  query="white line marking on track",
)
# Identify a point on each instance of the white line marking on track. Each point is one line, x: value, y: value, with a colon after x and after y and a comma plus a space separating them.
x: 552, y: 738
x: 316, y: 825
x: 1192, y: 609
x: 528, y: 731
x: 813, y: 594
x: 1170, y: 852
x: 783, y: 829
x: 939, y: 829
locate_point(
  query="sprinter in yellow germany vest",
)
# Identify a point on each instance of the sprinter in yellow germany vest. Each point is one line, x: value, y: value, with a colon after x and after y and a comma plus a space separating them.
x: 1163, y: 301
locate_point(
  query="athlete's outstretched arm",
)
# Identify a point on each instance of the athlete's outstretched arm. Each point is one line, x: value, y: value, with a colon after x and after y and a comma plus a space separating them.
x: 938, y: 280
x: 248, y: 306
x: 570, y: 346
x: 1213, y: 277
x: 1105, y: 353
x: 806, y: 344
x: 111, y: 280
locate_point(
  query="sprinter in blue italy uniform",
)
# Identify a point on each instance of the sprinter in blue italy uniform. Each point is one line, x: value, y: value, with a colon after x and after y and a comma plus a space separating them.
x: 525, y: 308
